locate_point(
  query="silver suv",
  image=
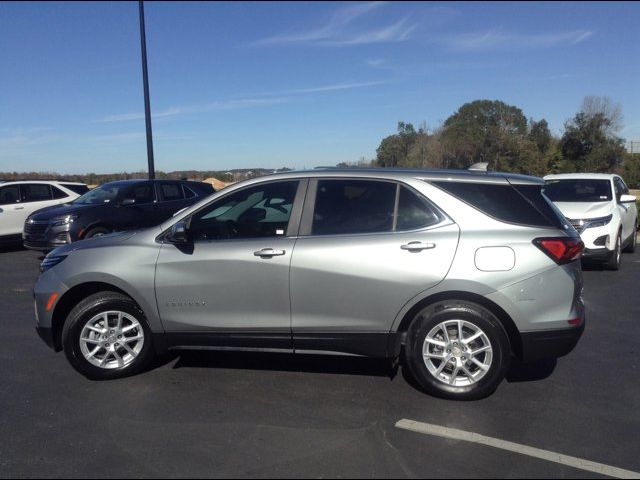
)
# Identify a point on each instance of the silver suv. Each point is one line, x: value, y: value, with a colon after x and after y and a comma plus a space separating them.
x: 455, y: 272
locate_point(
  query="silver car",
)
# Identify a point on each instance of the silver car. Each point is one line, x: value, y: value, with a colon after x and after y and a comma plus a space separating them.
x: 454, y: 272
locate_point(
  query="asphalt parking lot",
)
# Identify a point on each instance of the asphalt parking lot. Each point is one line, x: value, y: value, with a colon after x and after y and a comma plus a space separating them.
x: 206, y: 414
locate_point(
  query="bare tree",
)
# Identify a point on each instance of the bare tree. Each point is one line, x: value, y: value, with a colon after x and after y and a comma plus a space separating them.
x: 593, y: 106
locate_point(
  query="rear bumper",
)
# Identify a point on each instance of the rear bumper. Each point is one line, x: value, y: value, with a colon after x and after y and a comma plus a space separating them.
x: 550, y: 343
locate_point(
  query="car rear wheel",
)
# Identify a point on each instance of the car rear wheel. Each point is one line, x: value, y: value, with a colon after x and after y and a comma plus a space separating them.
x: 106, y: 336
x: 457, y: 350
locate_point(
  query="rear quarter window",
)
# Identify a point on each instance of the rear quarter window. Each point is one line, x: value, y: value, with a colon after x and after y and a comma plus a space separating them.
x: 519, y: 204
x: 79, y: 189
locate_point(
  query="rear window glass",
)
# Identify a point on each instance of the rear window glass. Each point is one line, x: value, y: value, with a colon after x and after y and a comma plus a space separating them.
x: 525, y: 205
x: 36, y: 192
x: 578, y: 190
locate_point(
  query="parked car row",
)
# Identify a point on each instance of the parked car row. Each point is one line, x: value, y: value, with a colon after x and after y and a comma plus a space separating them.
x: 455, y: 272
x: 46, y: 215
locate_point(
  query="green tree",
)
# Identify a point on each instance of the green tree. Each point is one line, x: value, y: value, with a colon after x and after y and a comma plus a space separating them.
x: 483, y: 131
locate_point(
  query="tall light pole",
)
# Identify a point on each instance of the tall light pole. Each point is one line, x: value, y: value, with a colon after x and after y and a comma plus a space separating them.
x: 147, y: 106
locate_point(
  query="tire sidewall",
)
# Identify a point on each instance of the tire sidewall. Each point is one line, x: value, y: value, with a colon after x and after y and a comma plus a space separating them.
x: 95, y: 232
x: 426, y: 320
x: 84, y: 312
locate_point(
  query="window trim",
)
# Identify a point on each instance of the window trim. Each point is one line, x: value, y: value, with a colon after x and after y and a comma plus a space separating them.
x: 306, y: 225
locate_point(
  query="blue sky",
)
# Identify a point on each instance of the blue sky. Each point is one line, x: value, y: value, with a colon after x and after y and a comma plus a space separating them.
x: 238, y: 85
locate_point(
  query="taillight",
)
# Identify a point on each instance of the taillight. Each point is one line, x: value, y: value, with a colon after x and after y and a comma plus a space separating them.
x: 561, y: 249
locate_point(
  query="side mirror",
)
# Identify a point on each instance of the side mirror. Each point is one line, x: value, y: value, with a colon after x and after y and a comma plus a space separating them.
x: 178, y: 233
x: 128, y: 201
x: 628, y: 199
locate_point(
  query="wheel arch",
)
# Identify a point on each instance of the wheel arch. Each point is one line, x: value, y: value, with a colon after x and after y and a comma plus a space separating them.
x: 503, y: 317
x: 70, y: 299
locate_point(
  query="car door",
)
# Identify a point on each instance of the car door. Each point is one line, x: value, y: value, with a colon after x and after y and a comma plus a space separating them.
x: 366, y: 248
x: 12, y: 214
x: 232, y: 280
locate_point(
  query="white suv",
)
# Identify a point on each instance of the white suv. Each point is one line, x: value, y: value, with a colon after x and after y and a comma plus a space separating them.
x: 600, y: 209
x: 20, y: 199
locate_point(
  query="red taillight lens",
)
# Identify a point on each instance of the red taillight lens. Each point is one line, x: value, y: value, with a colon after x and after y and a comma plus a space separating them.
x: 561, y: 249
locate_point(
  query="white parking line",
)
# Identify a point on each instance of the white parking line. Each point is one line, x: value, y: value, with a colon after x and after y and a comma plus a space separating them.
x: 452, y: 433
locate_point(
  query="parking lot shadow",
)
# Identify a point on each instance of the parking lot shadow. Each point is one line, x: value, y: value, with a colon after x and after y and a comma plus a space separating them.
x: 11, y: 247
x: 530, y: 372
x: 342, y: 365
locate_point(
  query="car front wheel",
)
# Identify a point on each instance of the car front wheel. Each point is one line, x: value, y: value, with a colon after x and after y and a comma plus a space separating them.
x: 106, y: 336
x: 457, y: 350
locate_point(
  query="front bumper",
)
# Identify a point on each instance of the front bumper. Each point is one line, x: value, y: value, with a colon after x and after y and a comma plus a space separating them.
x: 43, y: 237
x: 550, y: 343
x: 46, y: 334
x: 597, y: 254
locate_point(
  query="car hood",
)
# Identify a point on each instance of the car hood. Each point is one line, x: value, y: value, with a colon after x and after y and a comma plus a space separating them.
x: 108, y: 240
x: 584, y: 210
x: 48, y: 213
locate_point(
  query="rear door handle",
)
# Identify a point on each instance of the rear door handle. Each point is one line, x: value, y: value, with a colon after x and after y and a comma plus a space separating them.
x: 18, y: 208
x: 418, y: 246
x: 268, y: 253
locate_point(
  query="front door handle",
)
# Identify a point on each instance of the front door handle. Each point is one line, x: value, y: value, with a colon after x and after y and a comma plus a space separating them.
x: 418, y: 246
x: 268, y: 253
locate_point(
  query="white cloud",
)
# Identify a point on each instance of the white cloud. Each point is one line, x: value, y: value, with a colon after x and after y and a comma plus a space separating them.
x: 338, y: 30
x: 190, y: 109
x: 496, y: 39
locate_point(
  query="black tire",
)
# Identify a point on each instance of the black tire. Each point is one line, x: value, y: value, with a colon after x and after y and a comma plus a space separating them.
x: 616, y: 255
x: 631, y: 248
x: 431, y: 317
x: 96, y: 232
x: 83, y: 313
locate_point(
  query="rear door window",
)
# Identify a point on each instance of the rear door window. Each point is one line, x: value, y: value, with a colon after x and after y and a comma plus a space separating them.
x: 353, y: 207
x: 170, y: 192
x: 36, y: 192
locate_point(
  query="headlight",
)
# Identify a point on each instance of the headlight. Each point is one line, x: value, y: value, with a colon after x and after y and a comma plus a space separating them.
x: 597, y: 222
x: 51, y: 261
x: 63, y: 220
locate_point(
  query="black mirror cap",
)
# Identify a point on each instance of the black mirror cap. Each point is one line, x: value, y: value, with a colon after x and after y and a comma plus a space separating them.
x: 179, y: 233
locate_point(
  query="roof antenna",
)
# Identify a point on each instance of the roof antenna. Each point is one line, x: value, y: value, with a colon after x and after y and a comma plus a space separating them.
x: 479, y: 167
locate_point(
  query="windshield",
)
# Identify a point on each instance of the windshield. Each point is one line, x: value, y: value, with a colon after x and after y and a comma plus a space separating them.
x: 106, y: 193
x: 578, y: 190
